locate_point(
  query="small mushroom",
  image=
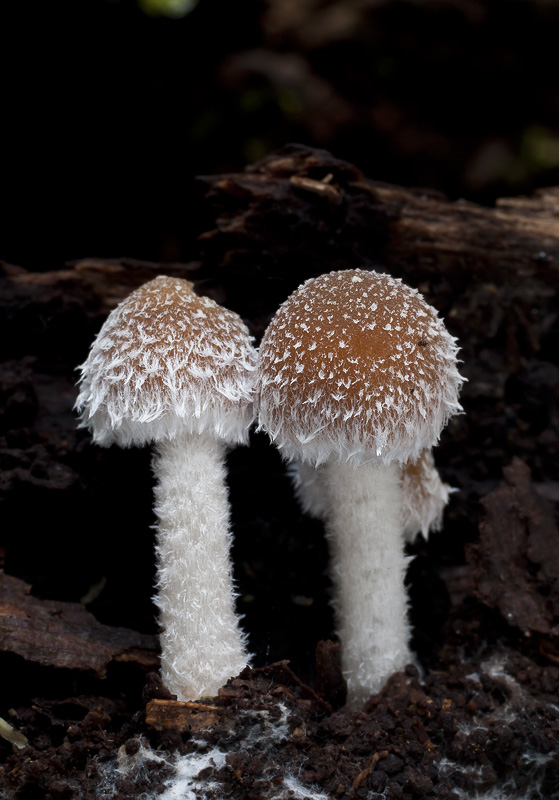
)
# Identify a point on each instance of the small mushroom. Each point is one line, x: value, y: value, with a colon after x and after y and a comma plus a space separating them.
x: 175, y: 369
x: 309, y: 488
x: 357, y: 373
x: 424, y: 495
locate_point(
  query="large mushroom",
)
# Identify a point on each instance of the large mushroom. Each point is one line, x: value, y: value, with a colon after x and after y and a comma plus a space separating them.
x: 359, y: 374
x: 175, y: 369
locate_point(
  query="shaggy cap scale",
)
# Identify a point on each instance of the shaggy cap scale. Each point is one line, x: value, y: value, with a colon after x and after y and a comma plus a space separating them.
x: 424, y: 497
x: 356, y: 366
x: 168, y: 361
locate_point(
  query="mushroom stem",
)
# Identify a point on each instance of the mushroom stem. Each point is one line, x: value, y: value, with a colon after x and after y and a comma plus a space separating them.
x: 202, y: 645
x: 368, y: 564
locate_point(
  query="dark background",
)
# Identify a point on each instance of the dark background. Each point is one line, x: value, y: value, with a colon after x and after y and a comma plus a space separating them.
x: 108, y: 112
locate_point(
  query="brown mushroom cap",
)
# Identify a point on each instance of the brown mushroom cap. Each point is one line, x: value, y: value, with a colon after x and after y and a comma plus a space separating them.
x: 356, y: 366
x: 167, y: 360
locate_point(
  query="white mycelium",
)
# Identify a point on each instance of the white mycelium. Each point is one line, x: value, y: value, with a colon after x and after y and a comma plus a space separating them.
x: 178, y: 370
x: 358, y: 373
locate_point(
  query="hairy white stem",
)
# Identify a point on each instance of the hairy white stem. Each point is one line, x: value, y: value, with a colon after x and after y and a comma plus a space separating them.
x: 368, y: 565
x: 201, y: 642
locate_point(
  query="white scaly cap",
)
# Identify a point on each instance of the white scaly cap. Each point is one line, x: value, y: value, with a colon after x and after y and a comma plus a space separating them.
x: 168, y: 361
x: 355, y: 366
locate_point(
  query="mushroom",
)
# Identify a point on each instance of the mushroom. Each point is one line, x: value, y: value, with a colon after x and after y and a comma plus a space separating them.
x: 358, y: 376
x: 175, y: 369
x: 424, y: 495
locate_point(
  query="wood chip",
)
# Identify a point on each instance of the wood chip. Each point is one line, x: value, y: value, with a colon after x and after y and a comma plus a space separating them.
x: 181, y: 716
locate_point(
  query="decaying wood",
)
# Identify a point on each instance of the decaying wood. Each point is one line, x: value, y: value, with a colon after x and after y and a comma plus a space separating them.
x: 394, y: 226
x: 300, y: 212
x: 58, y: 634
x: 100, y: 284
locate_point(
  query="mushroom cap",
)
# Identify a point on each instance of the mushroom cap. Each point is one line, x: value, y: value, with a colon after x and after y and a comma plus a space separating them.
x: 356, y: 366
x: 168, y: 361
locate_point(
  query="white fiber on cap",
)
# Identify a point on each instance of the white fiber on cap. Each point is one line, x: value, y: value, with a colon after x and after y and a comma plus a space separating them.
x: 168, y: 361
x: 356, y: 366
x: 424, y: 497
